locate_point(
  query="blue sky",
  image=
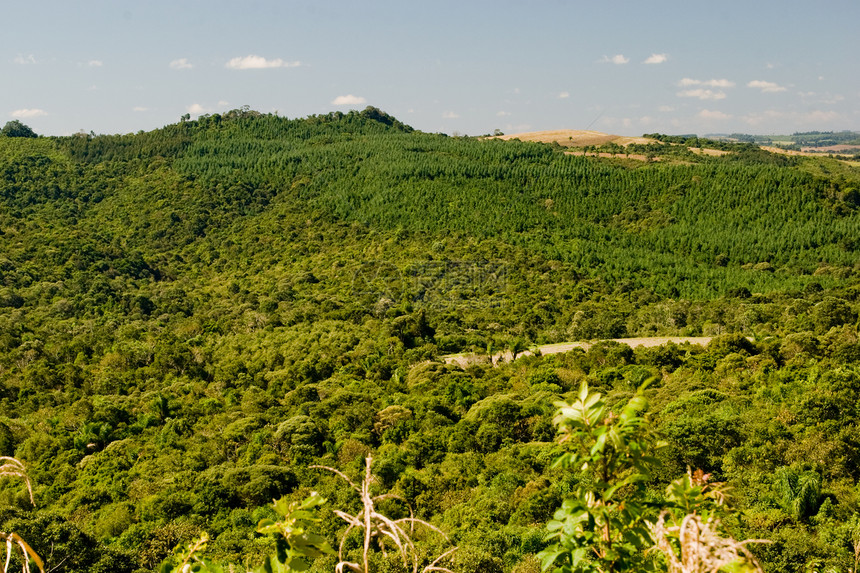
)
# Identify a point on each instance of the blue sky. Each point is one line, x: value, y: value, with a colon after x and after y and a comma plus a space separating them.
x: 470, y: 67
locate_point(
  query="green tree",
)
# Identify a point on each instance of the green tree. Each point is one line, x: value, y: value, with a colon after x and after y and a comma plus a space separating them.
x: 832, y: 312
x: 799, y: 492
x: 15, y: 128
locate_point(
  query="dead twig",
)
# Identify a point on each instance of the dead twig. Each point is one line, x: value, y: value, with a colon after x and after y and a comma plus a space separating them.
x: 12, y: 467
x: 701, y: 547
x: 27, y: 552
x: 377, y: 525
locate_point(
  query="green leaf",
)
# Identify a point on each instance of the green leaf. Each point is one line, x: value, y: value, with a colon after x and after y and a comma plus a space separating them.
x: 549, y: 556
x: 577, y: 556
x: 297, y: 564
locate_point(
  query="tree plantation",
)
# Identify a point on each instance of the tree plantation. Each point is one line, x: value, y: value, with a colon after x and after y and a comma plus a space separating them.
x: 203, y: 319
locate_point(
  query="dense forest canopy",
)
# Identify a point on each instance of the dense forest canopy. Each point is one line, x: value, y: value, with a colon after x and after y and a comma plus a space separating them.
x: 191, y: 317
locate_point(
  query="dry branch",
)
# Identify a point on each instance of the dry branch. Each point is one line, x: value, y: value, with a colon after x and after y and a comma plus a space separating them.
x: 27, y: 552
x: 12, y: 467
x: 381, y: 527
x: 702, y: 548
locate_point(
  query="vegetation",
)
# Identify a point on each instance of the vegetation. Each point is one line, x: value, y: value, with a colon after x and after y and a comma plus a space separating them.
x: 15, y: 128
x: 192, y: 317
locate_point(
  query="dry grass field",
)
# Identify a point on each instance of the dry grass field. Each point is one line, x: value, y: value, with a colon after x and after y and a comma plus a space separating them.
x: 706, y: 151
x: 574, y: 137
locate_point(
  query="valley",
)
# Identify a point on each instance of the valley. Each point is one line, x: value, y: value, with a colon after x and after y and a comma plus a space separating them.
x: 203, y: 318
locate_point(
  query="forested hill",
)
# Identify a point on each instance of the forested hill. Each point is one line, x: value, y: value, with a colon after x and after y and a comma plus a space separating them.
x: 192, y: 316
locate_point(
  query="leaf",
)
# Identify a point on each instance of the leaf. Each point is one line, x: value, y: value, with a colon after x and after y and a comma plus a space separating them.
x: 599, y: 444
x: 577, y: 556
x: 297, y: 564
x: 549, y: 555
x: 267, y: 526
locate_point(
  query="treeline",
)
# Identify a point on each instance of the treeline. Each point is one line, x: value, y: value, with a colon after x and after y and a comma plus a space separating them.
x: 191, y: 317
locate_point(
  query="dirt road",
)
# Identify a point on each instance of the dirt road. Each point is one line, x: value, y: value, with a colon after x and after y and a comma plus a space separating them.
x: 465, y: 359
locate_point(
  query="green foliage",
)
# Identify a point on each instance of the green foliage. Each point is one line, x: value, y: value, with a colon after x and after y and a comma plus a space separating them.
x: 191, y: 316
x: 799, y: 492
x: 15, y: 128
x: 603, y: 526
x: 296, y: 544
x: 608, y: 524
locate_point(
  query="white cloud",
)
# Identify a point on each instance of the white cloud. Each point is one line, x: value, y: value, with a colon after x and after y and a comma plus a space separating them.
x: 721, y: 83
x: 253, y: 62
x: 756, y: 119
x: 702, y: 94
x: 25, y: 60
x: 348, y: 99
x: 95, y: 63
x: 197, y: 109
x: 450, y: 115
x: 821, y: 98
x: 28, y: 113
x: 223, y: 103
x: 503, y: 113
x: 819, y: 116
x: 617, y: 59
x: 666, y: 108
x: 811, y: 119
x: 710, y: 114
x: 765, y: 87
x: 139, y: 108
x: 564, y: 95
x: 181, y: 64
x: 656, y: 59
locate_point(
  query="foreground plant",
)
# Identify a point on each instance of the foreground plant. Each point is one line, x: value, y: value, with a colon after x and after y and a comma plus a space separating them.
x: 385, y: 530
x: 689, y: 534
x: 190, y: 559
x: 607, y: 525
x: 12, y: 467
x: 603, y: 526
x: 296, y: 546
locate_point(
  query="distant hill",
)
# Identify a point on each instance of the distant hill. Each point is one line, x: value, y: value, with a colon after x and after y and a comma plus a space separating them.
x: 810, y: 141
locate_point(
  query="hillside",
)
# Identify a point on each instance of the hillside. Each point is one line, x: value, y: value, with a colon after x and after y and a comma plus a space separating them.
x: 191, y: 317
